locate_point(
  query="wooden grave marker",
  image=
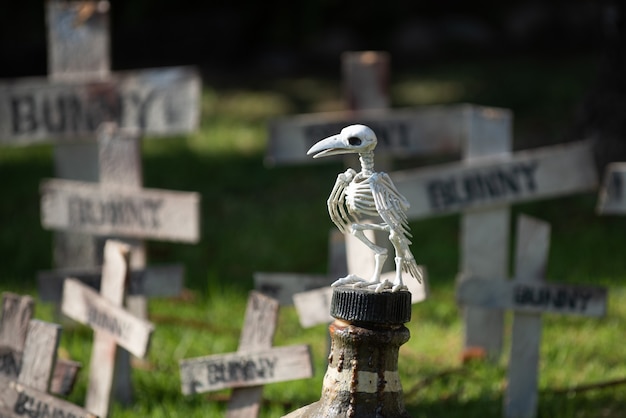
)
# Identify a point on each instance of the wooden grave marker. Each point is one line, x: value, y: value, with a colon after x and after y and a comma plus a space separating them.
x: 481, y: 187
x: 117, y: 206
x: 26, y: 394
x: 112, y: 325
x: 528, y: 295
x: 258, y: 333
x: 79, y: 94
x: 256, y: 362
x: 17, y: 312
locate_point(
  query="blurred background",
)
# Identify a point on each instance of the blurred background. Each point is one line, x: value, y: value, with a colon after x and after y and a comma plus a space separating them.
x: 242, y: 41
x: 282, y: 37
x: 558, y: 65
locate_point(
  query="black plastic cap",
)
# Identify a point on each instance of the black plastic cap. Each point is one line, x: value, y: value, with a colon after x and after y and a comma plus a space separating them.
x: 360, y: 305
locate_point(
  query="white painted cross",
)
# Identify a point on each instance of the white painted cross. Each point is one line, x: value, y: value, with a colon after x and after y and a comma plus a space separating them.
x: 26, y: 394
x: 529, y: 296
x: 17, y: 312
x: 80, y: 93
x: 117, y: 206
x: 112, y: 326
x: 481, y: 187
x: 255, y: 363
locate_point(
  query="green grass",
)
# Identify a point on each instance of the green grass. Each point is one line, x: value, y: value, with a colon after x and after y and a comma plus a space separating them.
x: 259, y: 219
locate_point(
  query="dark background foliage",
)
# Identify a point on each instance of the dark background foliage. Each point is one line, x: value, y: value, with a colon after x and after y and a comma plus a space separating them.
x: 277, y: 37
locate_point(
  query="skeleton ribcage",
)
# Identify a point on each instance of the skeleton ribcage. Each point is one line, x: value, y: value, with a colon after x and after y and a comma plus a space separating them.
x: 359, y: 198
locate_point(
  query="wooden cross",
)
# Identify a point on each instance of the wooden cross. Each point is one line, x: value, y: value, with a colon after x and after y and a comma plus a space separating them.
x: 529, y: 296
x: 79, y: 93
x: 112, y: 326
x: 255, y: 363
x: 17, y: 312
x: 118, y: 206
x: 481, y: 189
x: 26, y: 394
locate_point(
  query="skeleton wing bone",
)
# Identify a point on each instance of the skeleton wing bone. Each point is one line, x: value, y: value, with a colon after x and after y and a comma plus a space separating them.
x: 336, y: 201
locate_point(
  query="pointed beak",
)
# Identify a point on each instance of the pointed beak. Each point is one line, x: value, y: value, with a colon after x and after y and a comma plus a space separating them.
x: 332, y: 145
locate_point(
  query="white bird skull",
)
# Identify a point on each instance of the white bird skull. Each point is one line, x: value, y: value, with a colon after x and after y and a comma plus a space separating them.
x: 353, y: 139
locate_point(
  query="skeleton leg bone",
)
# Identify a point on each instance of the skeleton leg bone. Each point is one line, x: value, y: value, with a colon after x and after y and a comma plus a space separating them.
x: 396, y: 242
x: 380, y: 255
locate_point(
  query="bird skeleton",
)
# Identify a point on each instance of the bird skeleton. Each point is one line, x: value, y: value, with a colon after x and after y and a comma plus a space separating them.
x: 364, y: 194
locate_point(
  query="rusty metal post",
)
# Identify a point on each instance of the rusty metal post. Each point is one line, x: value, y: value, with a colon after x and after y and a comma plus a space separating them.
x: 362, y: 376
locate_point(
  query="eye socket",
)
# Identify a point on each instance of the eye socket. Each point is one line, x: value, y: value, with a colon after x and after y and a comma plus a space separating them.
x: 353, y: 140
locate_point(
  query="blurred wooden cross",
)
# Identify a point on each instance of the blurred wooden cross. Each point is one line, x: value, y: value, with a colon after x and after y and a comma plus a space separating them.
x: 26, y: 394
x: 118, y: 206
x: 17, y: 312
x: 254, y: 364
x: 528, y: 295
x: 109, y: 368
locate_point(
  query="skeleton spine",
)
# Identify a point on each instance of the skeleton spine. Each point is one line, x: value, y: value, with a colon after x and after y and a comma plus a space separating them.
x: 367, y: 162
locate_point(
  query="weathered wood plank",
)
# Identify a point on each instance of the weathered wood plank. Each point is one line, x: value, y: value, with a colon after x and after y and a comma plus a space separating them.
x: 222, y: 371
x: 119, y: 158
x: 18, y: 401
x: 160, y: 101
x: 484, y: 239
x: 488, y: 182
x: 612, y: 196
x: 257, y: 333
x: 86, y: 306
x: 153, y: 281
x: 556, y: 298
x: 78, y: 39
x: 105, y: 355
x: 39, y: 357
x: 531, y: 261
x: 16, y: 313
x: 365, y: 76
x: 149, y: 213
x: 78, y: 50
x: 259, y: 323
x: 283, y: 286
x: 313, y: 306
x: 64, y: 376
x: 425, y: 130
